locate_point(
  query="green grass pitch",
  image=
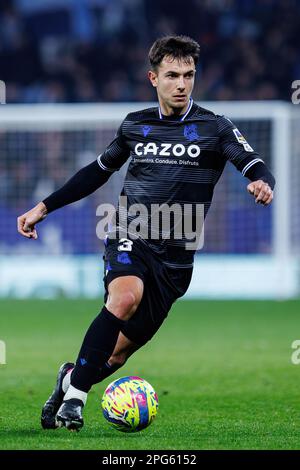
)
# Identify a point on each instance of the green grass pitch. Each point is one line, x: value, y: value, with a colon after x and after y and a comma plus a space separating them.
x: 222, y: 371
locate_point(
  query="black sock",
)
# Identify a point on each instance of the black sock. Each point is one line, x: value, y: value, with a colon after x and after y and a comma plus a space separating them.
x: 97, y: 347
x: 106, y: 371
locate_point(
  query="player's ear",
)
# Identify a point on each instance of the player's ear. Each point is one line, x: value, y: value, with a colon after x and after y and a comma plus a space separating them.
x: 152, y: 77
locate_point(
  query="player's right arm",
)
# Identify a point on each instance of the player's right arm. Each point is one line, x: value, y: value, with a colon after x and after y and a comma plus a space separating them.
x: 82, y: 184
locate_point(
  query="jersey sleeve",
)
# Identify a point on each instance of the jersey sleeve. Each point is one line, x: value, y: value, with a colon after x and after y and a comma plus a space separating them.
x: 234, y: 146
x: 116, y: 154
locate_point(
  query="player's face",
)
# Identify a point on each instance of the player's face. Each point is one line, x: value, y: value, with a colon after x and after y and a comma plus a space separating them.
x: 174, y: 82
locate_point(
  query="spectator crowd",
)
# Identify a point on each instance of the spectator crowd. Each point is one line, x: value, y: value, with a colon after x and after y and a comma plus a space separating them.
x: 96, y: 50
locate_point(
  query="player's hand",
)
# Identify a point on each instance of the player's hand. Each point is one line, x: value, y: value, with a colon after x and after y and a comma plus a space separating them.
x: 261, y: 191
x: 27, y: 221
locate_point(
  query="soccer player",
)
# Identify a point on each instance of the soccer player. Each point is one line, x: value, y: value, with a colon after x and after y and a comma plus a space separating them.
x: 177, y: 153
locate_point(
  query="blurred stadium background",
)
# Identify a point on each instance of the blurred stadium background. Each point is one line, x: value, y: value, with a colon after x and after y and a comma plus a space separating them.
x: 74, y: 68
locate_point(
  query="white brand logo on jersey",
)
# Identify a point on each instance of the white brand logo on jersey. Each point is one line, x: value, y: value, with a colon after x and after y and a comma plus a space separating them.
x: 167, y: 150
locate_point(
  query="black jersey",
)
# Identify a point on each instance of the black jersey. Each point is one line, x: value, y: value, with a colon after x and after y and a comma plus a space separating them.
x: 174, y: 162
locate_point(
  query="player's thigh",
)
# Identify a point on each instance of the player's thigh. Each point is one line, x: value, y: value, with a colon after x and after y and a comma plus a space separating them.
x: 150, y: 314
x: 160, y: 292
x: 124, y: 277
x: 124, y: 294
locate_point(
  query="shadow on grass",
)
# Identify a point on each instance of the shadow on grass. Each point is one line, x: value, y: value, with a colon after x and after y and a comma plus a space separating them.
x: 62, y: 434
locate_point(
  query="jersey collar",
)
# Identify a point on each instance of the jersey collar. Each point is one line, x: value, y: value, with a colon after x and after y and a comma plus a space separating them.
x: 185, y: 114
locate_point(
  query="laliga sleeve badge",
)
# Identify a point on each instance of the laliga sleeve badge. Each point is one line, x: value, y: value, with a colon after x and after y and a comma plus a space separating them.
x: 241, y: 140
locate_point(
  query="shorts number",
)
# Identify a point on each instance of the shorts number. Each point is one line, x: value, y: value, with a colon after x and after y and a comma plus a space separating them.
x: 125, y: 245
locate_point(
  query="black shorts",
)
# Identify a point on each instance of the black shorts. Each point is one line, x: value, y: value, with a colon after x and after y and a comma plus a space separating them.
x: 162, y: 285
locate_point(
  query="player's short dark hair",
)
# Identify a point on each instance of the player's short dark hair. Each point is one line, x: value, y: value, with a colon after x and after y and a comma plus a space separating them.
x: 178, y: 47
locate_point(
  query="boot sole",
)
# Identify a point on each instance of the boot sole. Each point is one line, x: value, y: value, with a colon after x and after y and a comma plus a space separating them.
x: 72, y: 425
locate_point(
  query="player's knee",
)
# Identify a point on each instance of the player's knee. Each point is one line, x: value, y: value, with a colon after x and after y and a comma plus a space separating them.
x: 123, y: 305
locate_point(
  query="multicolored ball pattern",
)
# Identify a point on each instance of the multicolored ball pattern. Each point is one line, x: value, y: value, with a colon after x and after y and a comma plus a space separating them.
x: 129, y: 404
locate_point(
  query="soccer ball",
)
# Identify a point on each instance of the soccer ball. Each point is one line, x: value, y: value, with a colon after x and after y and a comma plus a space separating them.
x: 129, y: 404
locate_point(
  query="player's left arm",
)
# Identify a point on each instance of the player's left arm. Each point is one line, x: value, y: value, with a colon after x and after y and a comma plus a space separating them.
x: 236, y: 149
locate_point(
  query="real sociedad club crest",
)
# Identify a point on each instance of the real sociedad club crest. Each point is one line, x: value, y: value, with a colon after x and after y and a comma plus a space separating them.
x: 191, y: 132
